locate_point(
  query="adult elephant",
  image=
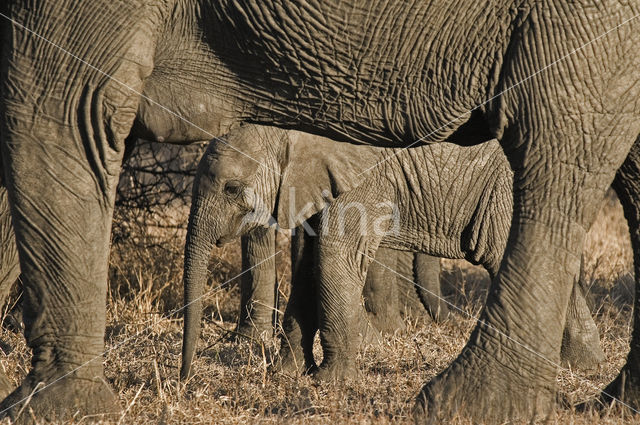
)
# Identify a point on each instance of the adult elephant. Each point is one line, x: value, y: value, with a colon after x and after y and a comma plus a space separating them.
x: 556, y: 82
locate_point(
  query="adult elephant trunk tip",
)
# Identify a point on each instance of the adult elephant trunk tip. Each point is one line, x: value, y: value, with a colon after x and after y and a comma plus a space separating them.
x: 196, y: 258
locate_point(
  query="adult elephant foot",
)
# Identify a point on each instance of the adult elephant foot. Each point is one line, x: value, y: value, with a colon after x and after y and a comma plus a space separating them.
x: 485, y: 388
x: 507, y: 370
x: 61, y: 400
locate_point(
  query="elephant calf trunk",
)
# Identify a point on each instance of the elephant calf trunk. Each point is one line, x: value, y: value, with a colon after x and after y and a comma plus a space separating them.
x: 196, y: 258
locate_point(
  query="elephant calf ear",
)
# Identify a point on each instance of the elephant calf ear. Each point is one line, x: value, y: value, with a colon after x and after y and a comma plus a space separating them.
x: 316, y: 171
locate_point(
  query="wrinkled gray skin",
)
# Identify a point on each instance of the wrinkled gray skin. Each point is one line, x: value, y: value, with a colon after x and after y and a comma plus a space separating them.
x: 258, y: 284
x: 462, y: 211
x: 387, y: 297
x: 376, y: 72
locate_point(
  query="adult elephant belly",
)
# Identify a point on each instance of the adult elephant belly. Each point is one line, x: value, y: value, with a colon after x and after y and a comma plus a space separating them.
x: 193, y: 116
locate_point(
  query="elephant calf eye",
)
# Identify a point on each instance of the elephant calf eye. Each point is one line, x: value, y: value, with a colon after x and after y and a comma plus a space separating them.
x: 233, y: 188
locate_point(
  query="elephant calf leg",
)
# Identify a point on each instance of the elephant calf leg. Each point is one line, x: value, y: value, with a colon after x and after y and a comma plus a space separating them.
x: 296, y: 344
x: 300, y: 322
x: 344, y: 325
x: 381, y: 292
x: 427, y: 284
x: 258, y: 284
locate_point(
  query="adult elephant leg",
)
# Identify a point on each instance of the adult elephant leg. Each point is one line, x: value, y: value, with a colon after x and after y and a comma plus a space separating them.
x: 626, y: 386
x: 258, y: 285
x: 63, y: 140
x: 508, y: 367
x: 62, y: 231
x: 381, y: 291
x: 427, y: 284
x: 563, y: 163
x: 300, y: 322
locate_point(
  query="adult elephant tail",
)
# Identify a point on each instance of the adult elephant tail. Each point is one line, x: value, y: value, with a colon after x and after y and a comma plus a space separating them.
x: 196, y: 258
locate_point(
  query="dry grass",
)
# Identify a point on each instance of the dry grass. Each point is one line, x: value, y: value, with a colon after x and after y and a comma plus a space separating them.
x: 233, y: 385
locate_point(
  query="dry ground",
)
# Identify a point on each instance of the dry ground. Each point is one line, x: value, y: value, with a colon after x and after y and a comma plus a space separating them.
x: 233, y: 385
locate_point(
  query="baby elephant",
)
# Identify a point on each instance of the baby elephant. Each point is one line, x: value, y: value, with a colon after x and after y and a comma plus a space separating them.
x: 443, y: 200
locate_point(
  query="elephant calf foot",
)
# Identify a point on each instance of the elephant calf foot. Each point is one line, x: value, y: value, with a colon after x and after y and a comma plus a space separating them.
x: 259, y: 332
x: 60, y: 401
x: 366, y: 332
x: 480, y: 387
x: 336, y: 371
x: 292, y: 364
x: 292, y: 359
x: 386, y: 324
